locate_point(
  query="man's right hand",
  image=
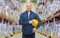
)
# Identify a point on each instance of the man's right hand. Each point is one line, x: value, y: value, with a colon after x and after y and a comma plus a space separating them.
x: 30, y: 22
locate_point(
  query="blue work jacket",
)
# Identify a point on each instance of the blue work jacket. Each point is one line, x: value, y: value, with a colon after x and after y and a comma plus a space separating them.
x: 24, y: 21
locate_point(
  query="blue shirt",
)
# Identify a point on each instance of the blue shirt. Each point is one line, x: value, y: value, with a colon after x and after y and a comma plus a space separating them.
x: 24, y: 21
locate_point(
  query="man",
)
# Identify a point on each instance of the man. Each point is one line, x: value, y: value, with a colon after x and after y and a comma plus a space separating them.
x: 28, y: 31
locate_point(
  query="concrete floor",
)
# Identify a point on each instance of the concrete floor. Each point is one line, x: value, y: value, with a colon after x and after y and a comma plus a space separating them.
x: 37, y: 36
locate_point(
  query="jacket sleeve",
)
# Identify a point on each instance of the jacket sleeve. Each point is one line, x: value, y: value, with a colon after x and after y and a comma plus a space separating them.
x: 21, y: 20
x: 40, y: 22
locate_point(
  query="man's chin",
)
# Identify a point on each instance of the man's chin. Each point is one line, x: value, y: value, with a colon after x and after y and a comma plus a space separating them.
x: 28, y: 10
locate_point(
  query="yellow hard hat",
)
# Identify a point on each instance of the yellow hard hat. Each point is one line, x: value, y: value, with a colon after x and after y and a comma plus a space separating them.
x: 35, y: 22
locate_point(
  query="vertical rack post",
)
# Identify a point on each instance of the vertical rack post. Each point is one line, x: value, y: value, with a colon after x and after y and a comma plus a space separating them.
x: 48, y: 22
x: 8, y: 22
x: 54, y: 23
x: 54, y: 20
x: 13, y: 28
x: 2, y: 26
x: 2, y: 20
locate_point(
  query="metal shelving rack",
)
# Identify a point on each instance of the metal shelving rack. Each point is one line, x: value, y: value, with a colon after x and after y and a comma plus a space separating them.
x: 48, y: 18
x: 9, y: 19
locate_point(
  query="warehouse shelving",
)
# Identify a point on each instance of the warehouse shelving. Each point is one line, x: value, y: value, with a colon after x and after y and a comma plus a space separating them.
x: 57, y: 14
x: 49, y: 18
x: 55, y: 18
x: 5, y: 19
x: 47, y: 8
x: 13, y: 5
x: 9, y: 13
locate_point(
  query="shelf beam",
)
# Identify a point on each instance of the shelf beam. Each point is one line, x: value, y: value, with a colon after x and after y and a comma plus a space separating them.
x: 53, y: 16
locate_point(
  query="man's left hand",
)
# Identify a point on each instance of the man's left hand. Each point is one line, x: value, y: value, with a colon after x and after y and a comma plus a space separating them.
x: 34, y: 29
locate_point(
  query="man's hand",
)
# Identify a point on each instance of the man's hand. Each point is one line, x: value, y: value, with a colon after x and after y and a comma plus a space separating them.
x: 34, y: 29
x: 30, y: 22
